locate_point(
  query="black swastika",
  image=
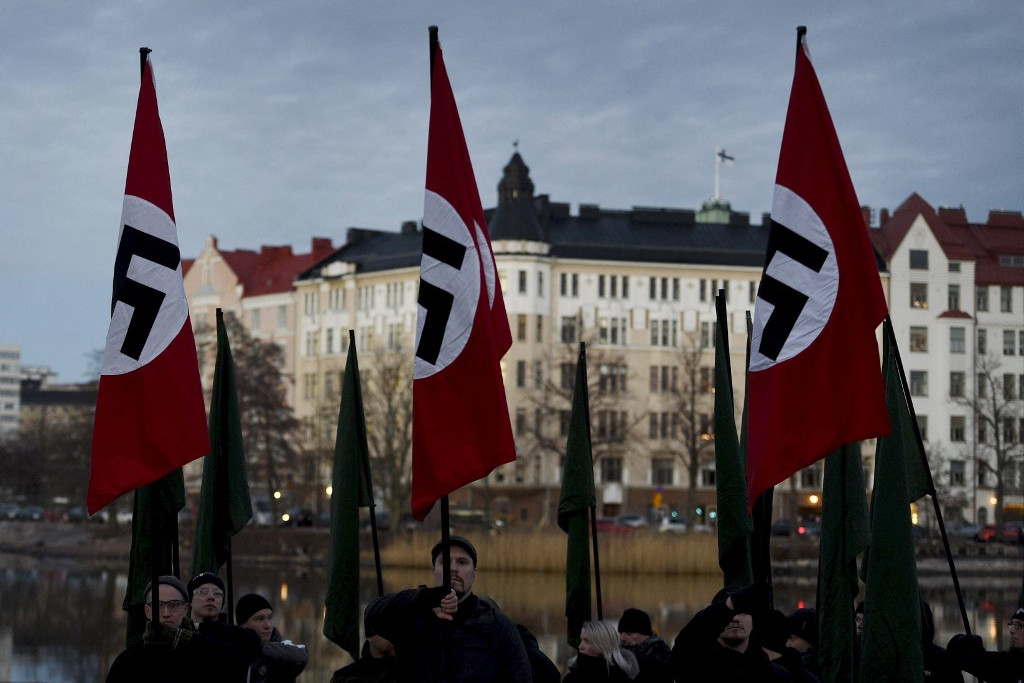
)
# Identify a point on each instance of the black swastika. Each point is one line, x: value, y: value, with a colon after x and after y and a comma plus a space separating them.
x: 145, y: 300
x: 787, y: 301
x: 436, y: 301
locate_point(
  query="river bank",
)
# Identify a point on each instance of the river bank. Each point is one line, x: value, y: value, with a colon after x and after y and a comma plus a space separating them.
x: 538, y: 550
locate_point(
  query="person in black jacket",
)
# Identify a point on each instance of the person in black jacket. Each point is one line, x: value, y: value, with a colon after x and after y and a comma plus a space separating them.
x: 719, y: 643
x: 457, y: 637
x: 172, y: 649
x: 652, y: 653
x: 938, y: 667
x: 541, y: 666
x: 969, y: 654
x: 601, y: 658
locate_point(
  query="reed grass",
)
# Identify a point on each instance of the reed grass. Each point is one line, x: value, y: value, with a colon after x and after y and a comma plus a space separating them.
x: 641, y: 552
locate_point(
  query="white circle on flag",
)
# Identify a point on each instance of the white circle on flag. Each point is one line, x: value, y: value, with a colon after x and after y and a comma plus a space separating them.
x: 821, y: 287
x: 150, y: 219
x: 462, y: 283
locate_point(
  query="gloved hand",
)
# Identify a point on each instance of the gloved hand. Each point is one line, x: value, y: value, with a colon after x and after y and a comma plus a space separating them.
x: 165, y: 637
x: 753, y: 599
x: 963, y: 647
x: 430, y: 598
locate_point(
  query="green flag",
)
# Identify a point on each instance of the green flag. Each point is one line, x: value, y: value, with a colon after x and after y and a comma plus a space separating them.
x: 735, y: 527
x: 574, y: 503
x: 844, y: 535
x: 351, y: 488
x: 891, y: 644
x: 224, y: 504
x: 904, y: 419
x: 154, y: 540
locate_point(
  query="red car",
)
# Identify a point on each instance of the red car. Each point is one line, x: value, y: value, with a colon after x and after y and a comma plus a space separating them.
x: 1011, y: 532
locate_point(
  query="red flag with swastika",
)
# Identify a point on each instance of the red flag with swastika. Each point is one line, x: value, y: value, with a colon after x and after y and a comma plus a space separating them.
x: 150, y: 418
x: 461, y: 428
x: 815, y: 380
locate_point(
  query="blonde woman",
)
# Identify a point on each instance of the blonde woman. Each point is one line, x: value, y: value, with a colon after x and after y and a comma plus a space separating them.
x: 601, y: 658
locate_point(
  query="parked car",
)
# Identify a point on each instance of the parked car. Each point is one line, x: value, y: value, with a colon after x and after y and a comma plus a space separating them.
x: 610, y: 525
x: 782, y: 527
x: 298, y: 517
x: 676, y: 525
x: 963, y: 530
x: 123, y: 516
x: 30, y: 513
x: 808, y: 529
x: 9, y: 510
x: 633, y: 520
x: 1010, y: 532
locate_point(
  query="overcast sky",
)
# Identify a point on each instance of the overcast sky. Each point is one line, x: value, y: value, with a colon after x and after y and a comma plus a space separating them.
x: 286, y: 120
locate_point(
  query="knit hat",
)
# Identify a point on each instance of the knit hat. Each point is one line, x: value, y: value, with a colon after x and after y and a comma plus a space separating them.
x: 458, y: 541
x: 773, y: 629
x: 248, y: 605
x: 635, y: 621
x: 803, y: 623
x: 201, y: 580
x: 168, y: 580
x: 1019, y: 614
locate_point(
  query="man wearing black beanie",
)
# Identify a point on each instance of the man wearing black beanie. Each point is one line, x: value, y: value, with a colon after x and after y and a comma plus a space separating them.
x: 652, y: 653
x: 969, y: 654
x: 281, y: 660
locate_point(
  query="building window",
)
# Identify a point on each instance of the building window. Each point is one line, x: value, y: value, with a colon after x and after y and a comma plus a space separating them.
x: 612, y: 331
x: 1005, y: 299
x: 675, y: 289
x: 922, y: 426
x: 703, y: 289
x: 652, y: 292
x: 982, y: 433
x: 520, y: 373
x: 540, y: 329
x: 957, y: 469
x: 954, y: 266
x: 957, y: 339
x: 661, y: 471
x: 956, y: 384
x: 1020, y: 347
x: 540, y: 283
x: 1009, y: 347
x: 919, y: 339
x: 652, y: 425
x: 918, y: 295
x: 568, y: 376
x: 520, y: 421
x: 522, y: 282
x: 954, y: 298
x: 613, y: 286
x: 810, y: 477
x: 600, y: 286
x: 918, y: 259
x: 708, y: 332
x: 521, y: 327
x: 625, y: 287
x: 611, y: 469
x: 982, y: 385
x: 707, y: 477
x: 569, y: 330
x: 981, y: 298
x: 282, y: 316
x: 564, y: 417
x: 918, y: 383
x: 254, y: 319
x: 1009, y: 433
x: 982, y: 342
x: 957, y: 428
x: 329, y: 341
x: 751, y: 292
x: 612, y: 378
x: 538, y: 375
x: 1009, y: 387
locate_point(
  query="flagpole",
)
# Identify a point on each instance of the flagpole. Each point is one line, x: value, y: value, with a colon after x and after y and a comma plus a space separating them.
x: 154, y: 570
x: 593, y: 508
x: 932, y: 493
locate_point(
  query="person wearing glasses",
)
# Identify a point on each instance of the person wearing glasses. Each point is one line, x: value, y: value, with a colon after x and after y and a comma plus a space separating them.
x: 243, y: 646
x: 994, y: 667
x: 171, y: 649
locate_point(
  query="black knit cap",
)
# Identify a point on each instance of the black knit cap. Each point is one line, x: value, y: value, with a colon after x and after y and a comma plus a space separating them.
x: 201, y: 580
x: 803, y: 623
x: 457, y: 541
x: 248, y: 605
x: 635, y: 620
x: 1019, y: 614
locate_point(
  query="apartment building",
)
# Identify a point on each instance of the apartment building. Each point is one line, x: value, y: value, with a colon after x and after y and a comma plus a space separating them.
x: 956, y: 299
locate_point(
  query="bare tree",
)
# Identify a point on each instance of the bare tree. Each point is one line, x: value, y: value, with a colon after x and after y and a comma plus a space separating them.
x: 387, y: 402
x: 996, y: 408
x: 693, y: 405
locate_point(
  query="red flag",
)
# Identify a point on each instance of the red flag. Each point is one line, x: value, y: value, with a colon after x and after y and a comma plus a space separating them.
x: 150, y: 417
x: 461, y: 428
x: 815, y: 379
